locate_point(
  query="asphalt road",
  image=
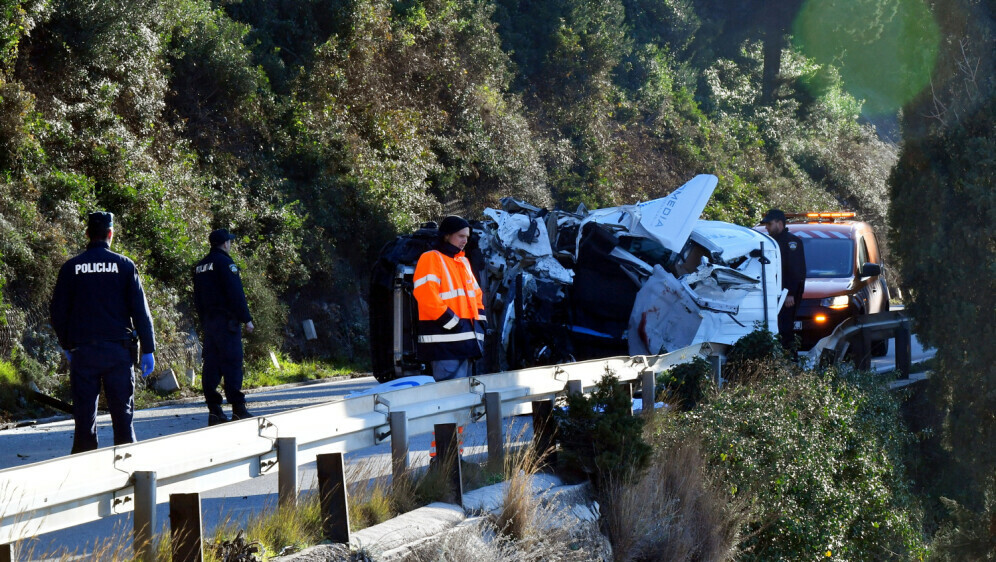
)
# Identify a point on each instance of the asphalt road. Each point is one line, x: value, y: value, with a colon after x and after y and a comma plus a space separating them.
x: 44, y: 441
x: 918, y: 354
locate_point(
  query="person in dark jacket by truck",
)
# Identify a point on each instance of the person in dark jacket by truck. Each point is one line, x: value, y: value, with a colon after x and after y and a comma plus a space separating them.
x: 793, y: 272
x: 222, y: 309
x: 97, y: 308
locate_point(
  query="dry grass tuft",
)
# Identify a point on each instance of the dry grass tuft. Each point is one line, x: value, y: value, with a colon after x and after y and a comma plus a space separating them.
x: 373, y: 507
x: 117, y: 546
x: 291, y: 528
x: 672, y: 512
x: 481, y: 542
x: 520, y: 506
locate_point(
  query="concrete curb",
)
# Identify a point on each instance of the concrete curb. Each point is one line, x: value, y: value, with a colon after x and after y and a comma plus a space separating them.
x: 394, y: 539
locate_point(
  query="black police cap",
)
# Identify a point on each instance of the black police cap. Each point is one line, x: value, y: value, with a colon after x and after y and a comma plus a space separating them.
x: 220, y: 236
x: 100, y: 221
x: 773, y: 215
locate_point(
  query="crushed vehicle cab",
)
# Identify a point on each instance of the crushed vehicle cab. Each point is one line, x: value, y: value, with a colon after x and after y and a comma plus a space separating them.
x: 843, y: 274
x: 561, y: 286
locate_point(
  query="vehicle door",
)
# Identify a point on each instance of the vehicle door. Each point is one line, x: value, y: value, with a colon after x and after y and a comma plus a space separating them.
x: 868, y: 290
x: 876, y: 293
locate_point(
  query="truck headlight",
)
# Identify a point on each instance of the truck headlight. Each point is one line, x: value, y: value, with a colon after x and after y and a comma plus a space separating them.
x: 837, y: 303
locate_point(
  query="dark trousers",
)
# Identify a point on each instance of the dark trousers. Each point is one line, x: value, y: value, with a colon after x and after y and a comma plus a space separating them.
x: 447, y: 369
x: 786, y: 330
x: 222, y: 361
x: 107, y: 363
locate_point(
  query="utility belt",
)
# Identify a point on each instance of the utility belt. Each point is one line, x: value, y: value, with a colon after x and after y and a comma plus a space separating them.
x: 130, y: 344
x: 219, y: 318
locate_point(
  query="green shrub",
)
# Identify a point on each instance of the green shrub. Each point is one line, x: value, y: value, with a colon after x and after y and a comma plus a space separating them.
x: 8, y: 374
x: 817, y: 459
x: 946, y: 178
x: 599, y: 436
x: 969, y: 534
x: 9, y: 386
x: 685, y: 384
x: 269, y: 314
x: 752, y: 351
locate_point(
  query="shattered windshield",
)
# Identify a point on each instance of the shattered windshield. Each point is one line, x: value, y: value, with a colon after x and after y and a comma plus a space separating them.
x: 826, y: 258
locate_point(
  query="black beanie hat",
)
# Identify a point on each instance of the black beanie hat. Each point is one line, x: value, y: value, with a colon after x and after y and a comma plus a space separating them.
x: 452, y: 224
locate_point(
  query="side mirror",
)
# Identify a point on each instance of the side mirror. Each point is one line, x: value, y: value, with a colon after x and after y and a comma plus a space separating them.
x: 870, y: 270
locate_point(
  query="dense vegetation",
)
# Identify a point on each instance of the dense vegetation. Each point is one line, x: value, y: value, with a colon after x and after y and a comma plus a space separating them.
x: 317, y: 130
x: 814, y: 460
x: 945, y: 178
x: 781, y: 464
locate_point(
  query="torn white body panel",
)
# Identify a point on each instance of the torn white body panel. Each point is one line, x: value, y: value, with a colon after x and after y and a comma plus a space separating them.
x: 668, y: 220
x: 528, y: 239
x: 715, y: 302
x: 664, y: 314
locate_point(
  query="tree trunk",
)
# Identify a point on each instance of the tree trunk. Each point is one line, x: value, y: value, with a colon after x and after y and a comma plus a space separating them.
x: 774, y: 42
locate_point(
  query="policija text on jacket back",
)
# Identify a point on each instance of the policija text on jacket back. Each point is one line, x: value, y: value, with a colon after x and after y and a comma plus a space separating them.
x: 99, y: 314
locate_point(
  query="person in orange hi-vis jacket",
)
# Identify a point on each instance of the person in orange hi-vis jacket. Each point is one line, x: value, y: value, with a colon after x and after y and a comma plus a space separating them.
x: 451, y: 321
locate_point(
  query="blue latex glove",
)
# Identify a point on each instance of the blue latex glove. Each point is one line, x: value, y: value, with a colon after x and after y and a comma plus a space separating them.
x: 148, y: 363
x: 69, y: 357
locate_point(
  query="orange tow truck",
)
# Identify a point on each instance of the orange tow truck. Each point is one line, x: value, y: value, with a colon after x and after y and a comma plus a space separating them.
x: 843, y: 274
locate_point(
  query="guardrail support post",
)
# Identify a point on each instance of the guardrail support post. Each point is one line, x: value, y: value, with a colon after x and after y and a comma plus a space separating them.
x: 185, y: 527
x: 543, y: 430
x: 399, y: 444
x: 145, y: 515
x: 903, y: 349
x: 496, y: 437
x: 287, y: 471
x: 627, y: 388
x: 863, y: 361
x: 717, y: 369
x: 575, y: 386
x: 448, y: 457
x: 648, y: 391
x: 7, y: 553
x: 332, y: 495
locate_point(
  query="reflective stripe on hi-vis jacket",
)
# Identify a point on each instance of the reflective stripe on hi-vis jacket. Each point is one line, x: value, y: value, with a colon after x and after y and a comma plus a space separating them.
x: 450, y: 307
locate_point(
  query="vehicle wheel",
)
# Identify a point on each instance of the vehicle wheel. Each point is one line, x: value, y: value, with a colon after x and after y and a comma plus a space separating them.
x: 881, y: 348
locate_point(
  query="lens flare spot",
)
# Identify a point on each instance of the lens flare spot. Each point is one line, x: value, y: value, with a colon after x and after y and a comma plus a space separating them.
x: 885, y: 49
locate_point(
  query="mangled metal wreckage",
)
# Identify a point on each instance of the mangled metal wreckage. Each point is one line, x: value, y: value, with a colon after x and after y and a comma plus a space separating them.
x: 561, y: 286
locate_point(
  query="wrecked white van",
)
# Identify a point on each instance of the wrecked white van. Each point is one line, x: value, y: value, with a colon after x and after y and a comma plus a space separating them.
x: 561, y: 286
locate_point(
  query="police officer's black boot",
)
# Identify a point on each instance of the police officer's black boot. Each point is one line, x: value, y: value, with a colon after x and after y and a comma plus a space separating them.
x: 239, y: 412
x: 216, y: 415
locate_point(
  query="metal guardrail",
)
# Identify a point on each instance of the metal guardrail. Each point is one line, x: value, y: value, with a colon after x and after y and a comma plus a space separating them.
x: 68, y: 491
x: 853, y: 339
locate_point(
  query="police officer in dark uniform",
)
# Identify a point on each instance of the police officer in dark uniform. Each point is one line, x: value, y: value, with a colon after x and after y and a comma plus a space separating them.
x: 96, y: 309
x: 793, y: 272
x: 222, y: 309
